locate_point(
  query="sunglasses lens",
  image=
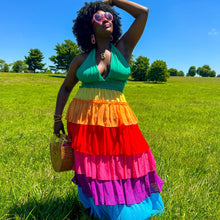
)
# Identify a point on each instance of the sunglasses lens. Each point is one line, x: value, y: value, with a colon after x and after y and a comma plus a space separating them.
x: 108, y: 16
x: 98, y: 17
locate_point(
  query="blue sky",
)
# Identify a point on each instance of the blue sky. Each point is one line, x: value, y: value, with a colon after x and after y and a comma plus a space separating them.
x: 181, y: 32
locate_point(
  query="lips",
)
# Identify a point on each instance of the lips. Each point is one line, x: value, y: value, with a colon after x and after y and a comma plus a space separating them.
x: 107, y: 25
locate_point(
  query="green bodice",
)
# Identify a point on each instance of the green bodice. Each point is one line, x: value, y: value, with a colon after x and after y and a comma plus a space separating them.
x: 117, y: 77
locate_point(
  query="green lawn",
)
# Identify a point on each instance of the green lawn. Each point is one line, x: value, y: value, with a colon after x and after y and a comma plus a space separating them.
x: 180, y: 120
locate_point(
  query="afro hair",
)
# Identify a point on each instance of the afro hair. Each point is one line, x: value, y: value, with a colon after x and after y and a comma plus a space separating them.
x: 83, y: 28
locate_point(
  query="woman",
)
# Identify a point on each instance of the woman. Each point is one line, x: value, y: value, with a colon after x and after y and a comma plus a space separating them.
x: 114, y: 168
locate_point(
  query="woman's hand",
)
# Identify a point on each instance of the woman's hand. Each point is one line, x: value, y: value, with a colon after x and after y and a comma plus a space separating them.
x: 58, y: 126
x: 107, y: 2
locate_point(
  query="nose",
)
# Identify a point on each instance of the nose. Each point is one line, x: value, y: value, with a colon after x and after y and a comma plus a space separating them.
x: 105, y: 19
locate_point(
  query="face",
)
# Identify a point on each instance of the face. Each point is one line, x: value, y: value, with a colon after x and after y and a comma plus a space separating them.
x: 102, y: 22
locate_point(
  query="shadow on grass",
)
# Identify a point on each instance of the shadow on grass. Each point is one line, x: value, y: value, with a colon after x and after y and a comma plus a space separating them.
x: 147, y: 82
x: 58, y: 76
x: 48, y: 208
x: 152, y: 82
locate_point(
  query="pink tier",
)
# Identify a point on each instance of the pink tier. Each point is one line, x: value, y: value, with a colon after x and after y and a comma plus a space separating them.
x: 114, y: 167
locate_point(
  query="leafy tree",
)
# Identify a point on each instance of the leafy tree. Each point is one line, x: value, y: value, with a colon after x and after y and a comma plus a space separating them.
x: 5, y: 68
x: 191, y: 71
x: 34, y: 60
x: 47, y: 70
x: 2, y: 63
x: 158, y: 71
x: 218, y: 75
x: 139, y: 68
x: 203, y: 72
x: 19, y: 66
x: 65, y: 54
x: 132, y: 61
x: 213, y: 73
x: 173, y: 72
x: 180, y: 73
x: 206, y: 71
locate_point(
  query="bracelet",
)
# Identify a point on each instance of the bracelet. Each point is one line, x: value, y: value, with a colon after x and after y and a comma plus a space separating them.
x: 57, y: 121
x: 57, y: 116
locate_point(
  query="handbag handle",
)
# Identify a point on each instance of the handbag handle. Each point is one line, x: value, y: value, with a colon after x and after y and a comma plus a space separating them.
x: 61, y: 136
x: 64, y: 136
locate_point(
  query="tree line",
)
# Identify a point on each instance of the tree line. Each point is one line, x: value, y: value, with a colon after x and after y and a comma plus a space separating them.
x: 141, y: 70
x: 33, y: 62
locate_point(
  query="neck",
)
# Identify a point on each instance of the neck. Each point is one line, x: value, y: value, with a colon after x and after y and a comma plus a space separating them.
x: 102, y: 46
x: 102, y: 43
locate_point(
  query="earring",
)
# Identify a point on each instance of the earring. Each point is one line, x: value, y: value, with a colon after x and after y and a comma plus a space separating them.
x: 93, y: 39
x: 111, y: 38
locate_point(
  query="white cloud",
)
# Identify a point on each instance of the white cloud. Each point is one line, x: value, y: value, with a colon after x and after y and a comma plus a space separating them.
x: 213, y: 32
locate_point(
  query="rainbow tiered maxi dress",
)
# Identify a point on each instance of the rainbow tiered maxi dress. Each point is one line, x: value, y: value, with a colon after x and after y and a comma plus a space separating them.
x: 114, y: 167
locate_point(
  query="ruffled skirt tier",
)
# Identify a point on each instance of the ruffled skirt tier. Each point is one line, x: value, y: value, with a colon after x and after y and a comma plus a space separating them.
x: 124, y: 191
x: 152, y: 205
x: 114, y: 166
x: 99, y: 140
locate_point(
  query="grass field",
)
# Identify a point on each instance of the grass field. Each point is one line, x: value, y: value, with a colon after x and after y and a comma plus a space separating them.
x: 180, y: 120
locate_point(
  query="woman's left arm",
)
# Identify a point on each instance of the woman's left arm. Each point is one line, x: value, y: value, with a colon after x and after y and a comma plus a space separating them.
x: 129, y: 40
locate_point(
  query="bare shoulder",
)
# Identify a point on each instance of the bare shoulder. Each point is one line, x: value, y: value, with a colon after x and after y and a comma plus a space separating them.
x: 71, y: 78
x: 78, y: 60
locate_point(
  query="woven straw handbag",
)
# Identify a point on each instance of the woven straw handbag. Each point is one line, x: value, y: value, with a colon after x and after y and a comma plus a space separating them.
x: 61, y: 153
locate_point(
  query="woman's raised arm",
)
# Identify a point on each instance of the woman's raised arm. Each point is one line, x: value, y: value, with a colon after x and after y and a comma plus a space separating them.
x: 129, y: 40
